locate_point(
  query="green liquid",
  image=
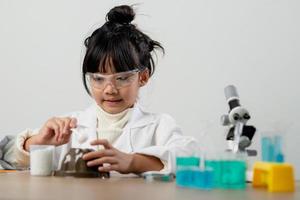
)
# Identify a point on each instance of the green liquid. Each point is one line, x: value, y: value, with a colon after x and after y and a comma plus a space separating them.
x: 228, y: 174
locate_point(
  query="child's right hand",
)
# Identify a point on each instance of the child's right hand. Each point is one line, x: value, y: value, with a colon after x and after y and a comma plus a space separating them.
x: 56, y: 131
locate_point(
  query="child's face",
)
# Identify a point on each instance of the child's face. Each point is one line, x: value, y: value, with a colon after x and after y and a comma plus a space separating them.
x: 114, y: 99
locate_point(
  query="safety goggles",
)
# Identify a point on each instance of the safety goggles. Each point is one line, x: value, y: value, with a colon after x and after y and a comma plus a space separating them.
x: 118, y: 80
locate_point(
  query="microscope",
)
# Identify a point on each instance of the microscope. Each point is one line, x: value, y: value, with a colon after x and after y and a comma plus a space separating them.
x: 239, y: 134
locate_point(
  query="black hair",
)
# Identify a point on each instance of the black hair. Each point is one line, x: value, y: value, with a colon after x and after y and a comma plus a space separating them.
x: 118, y: 44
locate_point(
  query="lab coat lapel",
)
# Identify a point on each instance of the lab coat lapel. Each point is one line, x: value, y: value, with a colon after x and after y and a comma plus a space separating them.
x: 138, y: 120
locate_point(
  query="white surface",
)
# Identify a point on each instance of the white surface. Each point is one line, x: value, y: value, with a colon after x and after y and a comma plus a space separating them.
x: 253, y: 44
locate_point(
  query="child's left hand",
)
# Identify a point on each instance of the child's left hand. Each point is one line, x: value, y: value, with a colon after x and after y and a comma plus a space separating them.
x: 119, y: 161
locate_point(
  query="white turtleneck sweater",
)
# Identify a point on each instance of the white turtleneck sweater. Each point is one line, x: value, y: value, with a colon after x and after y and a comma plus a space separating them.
x: 110, y: 126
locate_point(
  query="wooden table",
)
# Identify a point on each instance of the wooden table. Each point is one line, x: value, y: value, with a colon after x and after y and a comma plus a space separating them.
x: 21, y: 185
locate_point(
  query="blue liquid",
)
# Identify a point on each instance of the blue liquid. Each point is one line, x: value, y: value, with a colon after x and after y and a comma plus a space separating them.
x: 195, y: 178
x: 266, y: 145
x: 216, y: 166
x: 278, y: 156
x: 187, y: 161
x: 272, y: 149
x: 233, y: 174
x: 228, y: 174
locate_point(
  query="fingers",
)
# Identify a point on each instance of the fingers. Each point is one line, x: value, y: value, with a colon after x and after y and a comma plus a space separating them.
x: 101, y: 161
x: 61, y: 127
x: 52, y: 125
x: 98, y: 158
x: 98, y: 154
x: 73, y: 123
x: 107, y: 168
x: 102, y: 142
x: 109, y: 159
x: 68, y: 123
x: 61, y: 124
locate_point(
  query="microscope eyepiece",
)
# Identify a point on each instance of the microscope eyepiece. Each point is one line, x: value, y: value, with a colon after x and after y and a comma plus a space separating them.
x: 232, y: 96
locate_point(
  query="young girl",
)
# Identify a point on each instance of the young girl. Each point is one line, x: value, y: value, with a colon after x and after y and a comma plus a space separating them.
x: 117, y: 63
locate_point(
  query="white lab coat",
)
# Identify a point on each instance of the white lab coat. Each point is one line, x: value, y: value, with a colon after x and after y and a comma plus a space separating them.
x: 146, y: 133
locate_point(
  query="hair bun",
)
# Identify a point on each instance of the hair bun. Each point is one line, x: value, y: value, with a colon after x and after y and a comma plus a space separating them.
x: 121, y: 14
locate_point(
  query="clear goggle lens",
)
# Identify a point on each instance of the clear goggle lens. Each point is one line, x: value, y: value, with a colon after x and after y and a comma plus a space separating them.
x: 119, y: 80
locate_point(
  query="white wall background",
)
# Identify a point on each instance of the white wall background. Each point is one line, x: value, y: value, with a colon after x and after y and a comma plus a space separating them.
x: 253, y: 44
